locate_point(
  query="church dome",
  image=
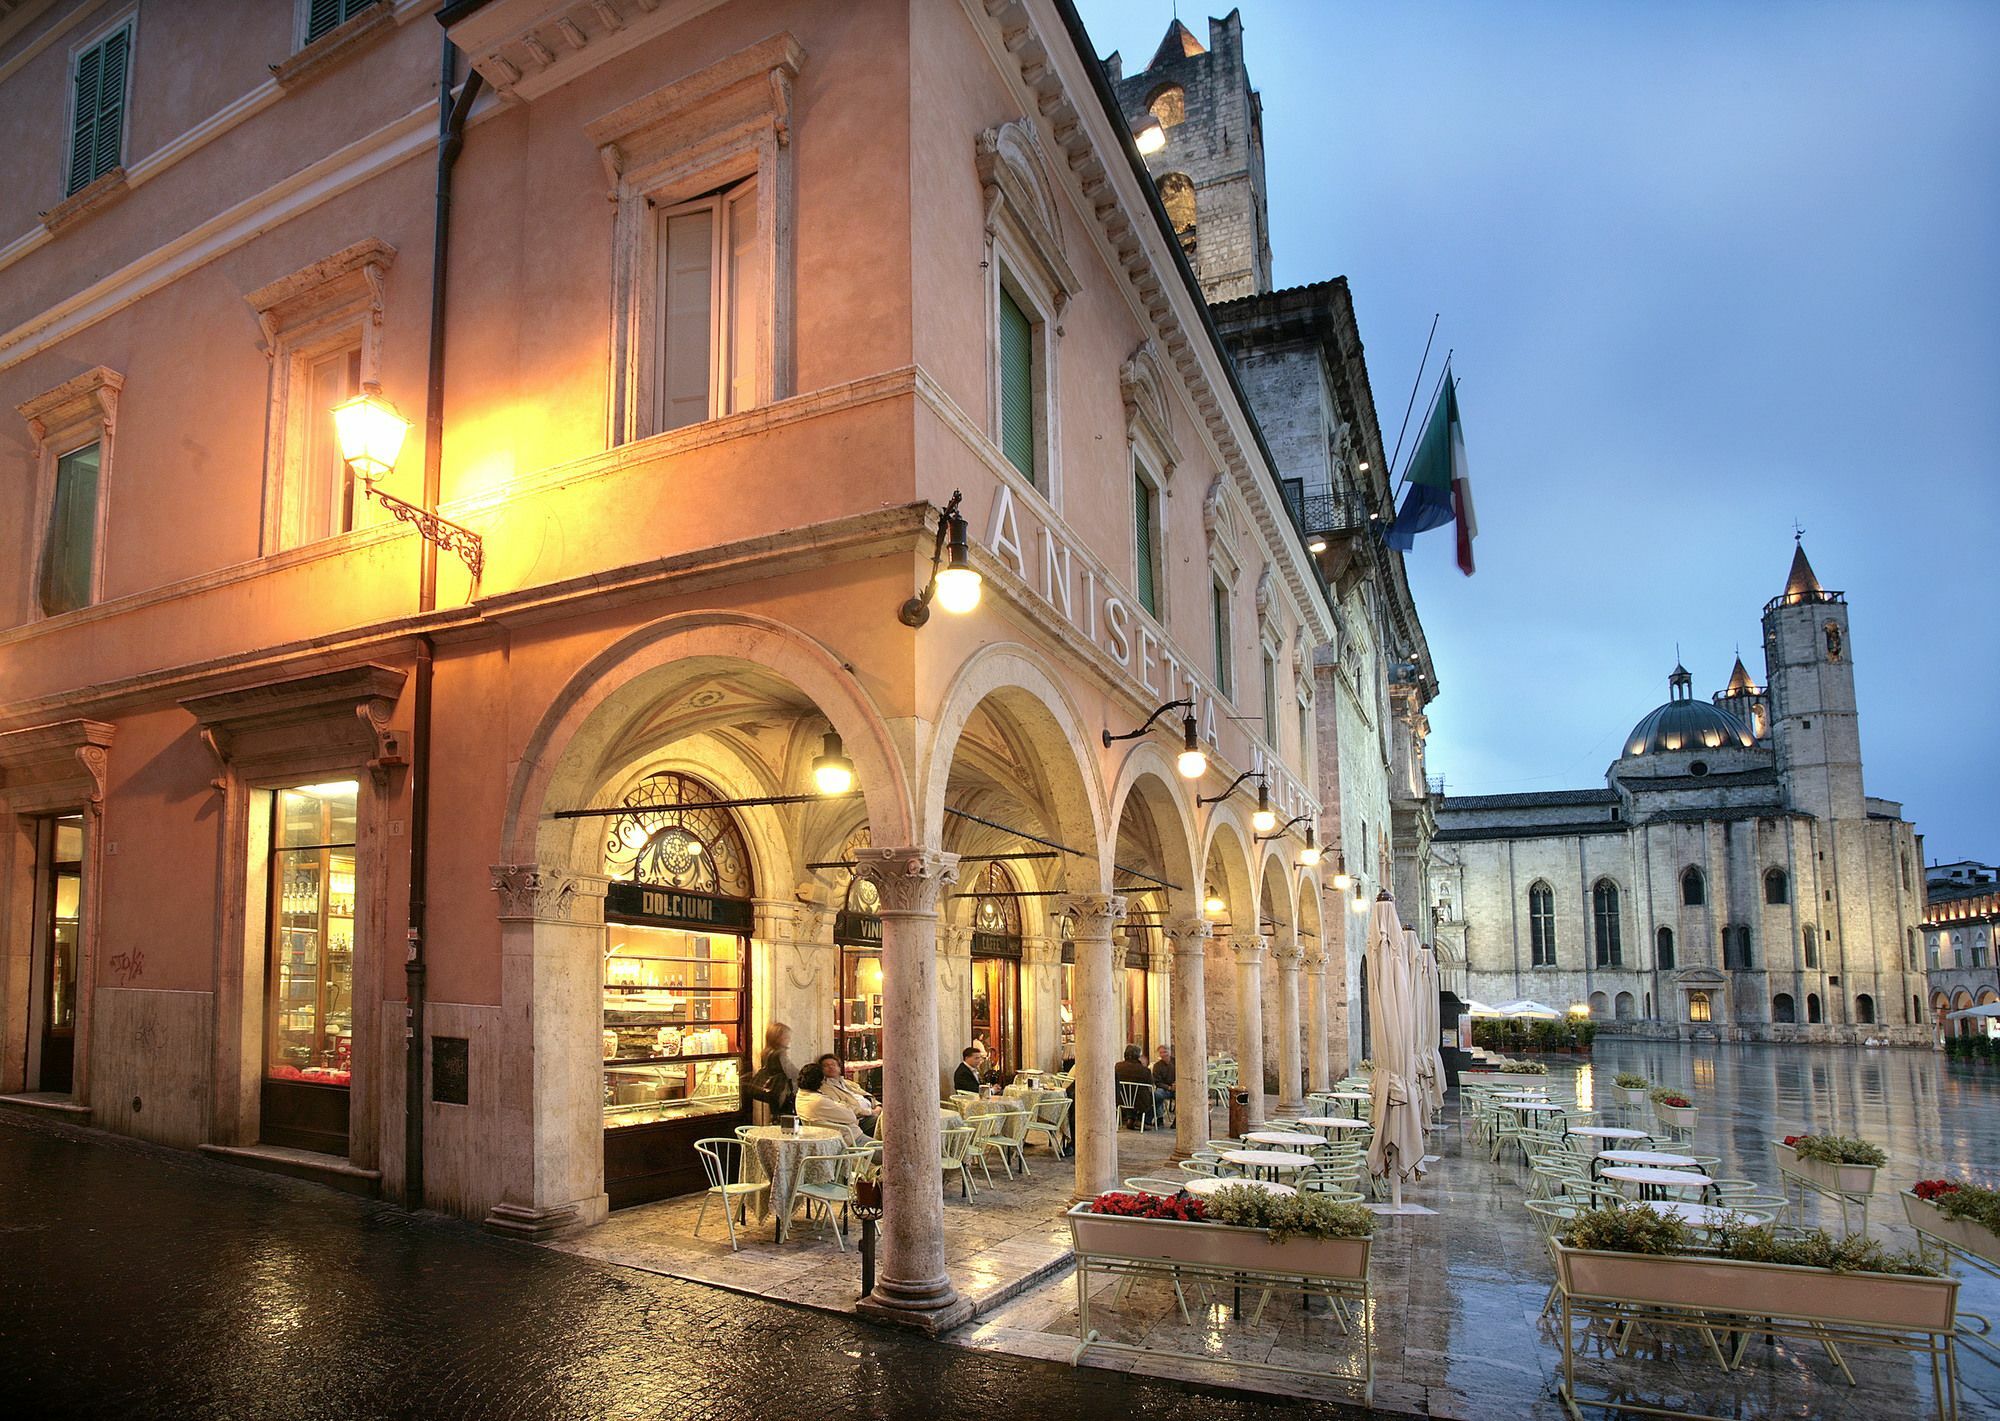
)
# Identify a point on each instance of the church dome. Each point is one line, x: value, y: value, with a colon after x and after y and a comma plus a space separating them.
x: 1684, y: 723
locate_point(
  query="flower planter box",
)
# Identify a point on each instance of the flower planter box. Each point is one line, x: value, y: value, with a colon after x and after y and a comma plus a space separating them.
x: 1632, y: 1095
x: 1728, y: 1285
x: 1858, y: 1179
x: 1223, y: 1246
x: 1975, y: 1238
x: 1681, y: 1117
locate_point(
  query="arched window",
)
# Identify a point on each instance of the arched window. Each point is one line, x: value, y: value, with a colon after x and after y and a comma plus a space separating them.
x: 1604, y: 908
x: 1864, y: 1009
x: 1783, y: 1009
x: 1694, y: 891
x: 1624, y: 1006
x: 1811, y: 935
x: 1777, y: 887
x: 1177, y: 196
x: 1599, y: 1005
x: 1168, y: 104
x: 1698, y: 1007
x: 1664, y: 949
x: 1541, y: 925
x: 1812, y: 1008
x: 1736, y: 947
x: 659, y: 842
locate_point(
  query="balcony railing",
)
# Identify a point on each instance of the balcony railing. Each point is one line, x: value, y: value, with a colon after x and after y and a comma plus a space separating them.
x: 1326, y: 510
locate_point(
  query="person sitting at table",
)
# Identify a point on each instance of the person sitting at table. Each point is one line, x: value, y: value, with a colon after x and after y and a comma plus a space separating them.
x: 966, y: 1077
x: 840, y: 1088
x: 1132, y: 1070
x: 1163, y: 1078
x: 816, y: 1107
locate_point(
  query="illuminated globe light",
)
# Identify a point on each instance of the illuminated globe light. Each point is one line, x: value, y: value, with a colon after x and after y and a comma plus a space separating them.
x: 958, y: 589
x: 1263, y: 821
x: 1213, y: 904
x: 832, y: 771
x: 1359, y: 902
x: 1149, y: 136
x: 1192, y: 763
x: 370, y: 432
x: 1309, y: 855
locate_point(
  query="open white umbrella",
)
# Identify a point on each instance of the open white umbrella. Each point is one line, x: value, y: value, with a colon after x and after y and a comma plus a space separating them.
x: 1527, y: 1007
x: 1397, y: 1149
x: 1984, y: 1009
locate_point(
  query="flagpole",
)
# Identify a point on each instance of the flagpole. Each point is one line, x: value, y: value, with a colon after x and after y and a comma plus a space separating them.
x: 1404, y: 477
x: 1415, y: 385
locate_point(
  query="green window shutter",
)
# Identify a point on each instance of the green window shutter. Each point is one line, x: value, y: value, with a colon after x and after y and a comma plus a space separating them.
x: 1017, y: 385
x: 1146, y: 574
x: 117, y: 49
x: 83, y: 131
x: 1219, y: 616
x: 69, y: 552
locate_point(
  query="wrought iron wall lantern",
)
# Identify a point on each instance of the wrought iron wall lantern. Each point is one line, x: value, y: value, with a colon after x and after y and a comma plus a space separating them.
x: 954, y: 583
x: 1192, y: 762
x: 370, y: 432
x: 1263, y: 820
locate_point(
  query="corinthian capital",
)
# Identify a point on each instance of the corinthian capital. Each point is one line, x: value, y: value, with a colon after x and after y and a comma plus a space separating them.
x: 1251, y: 947
x: 1189, y: 934
x: 541, y: 893
x: 1095, y: 914
x: 1316, y: 961
x: 909, y: 880
x: 1285, y: 952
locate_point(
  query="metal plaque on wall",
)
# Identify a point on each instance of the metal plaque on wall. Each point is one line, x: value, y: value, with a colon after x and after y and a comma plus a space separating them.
x: 451, y: 1074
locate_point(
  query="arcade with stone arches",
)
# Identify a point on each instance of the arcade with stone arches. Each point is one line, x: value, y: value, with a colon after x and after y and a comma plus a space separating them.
x: 674, y: 884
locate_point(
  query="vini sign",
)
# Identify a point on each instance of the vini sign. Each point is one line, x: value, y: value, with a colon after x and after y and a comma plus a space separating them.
x: 1097, y: 608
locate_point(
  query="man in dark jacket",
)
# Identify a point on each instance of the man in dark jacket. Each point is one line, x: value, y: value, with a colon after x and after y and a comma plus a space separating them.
x: 1163, y: 1079
x: 966, y: 1077
x: 1133, y: 1070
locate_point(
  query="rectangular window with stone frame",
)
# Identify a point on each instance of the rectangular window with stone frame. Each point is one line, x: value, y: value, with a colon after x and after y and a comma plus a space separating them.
x: 72, y: 429
x: 1541, y: 925
x: 1219, y: 620
x: 710, y: 292
x: 1146, y: 539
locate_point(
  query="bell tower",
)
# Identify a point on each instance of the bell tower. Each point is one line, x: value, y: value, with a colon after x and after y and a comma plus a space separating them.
x: 1809, y: 660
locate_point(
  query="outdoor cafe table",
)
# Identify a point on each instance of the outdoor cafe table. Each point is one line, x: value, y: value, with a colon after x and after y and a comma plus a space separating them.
x: 1608, y: 1132
x: 1332, y: 1123
x: 1206, y: 1185
x: 1272, y: 1160
x: 1658, y: 1159
x: 1702, y: 1216
x: 1352, y: 1097
x: 779, y: 1155
x: 1283, y: 1137
x: 1656, y: 1179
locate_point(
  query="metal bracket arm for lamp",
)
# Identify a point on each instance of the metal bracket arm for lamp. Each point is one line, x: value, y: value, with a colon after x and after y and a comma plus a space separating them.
x: 1193, y: 762
x: 370, y: 433
x: 1279, y: 832
x: 449, y: 536
x: 1263, y: 819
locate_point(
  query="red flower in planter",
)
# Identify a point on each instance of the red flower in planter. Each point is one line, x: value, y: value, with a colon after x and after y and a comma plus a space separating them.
x: 1184, y: 1208
x: 1676, y: 1102
x: 1931, y: 1188
x: 1793, y: 1139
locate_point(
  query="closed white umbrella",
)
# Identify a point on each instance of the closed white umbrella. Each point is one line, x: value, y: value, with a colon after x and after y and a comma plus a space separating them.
x: 1422, y: 1060
x: 1430, y: 1065
x: 1397, y: 1149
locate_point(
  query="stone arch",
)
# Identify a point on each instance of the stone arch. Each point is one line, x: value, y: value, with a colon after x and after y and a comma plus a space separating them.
x: 1177, y: 195
x: 1274, y: 889
x: 1864, y: 1009
x: 1813, y: 1013
x: 1600, y: 1006
x: 1168, y: 104
x: 1624, y: 1007
x: 1147, y: 774
x: 562, y: 760
x: 1784, y: 1011
x: 1009, y: 684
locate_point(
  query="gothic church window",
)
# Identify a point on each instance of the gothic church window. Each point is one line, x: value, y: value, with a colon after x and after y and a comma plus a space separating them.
x: 1777, y: 887
x: 1694, y: 892
x: 1604, y: 907
x: 1541, y: 925
x: 1664, y: 949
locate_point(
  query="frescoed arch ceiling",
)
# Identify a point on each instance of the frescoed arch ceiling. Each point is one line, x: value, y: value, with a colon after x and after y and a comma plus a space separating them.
x: 763, y: 712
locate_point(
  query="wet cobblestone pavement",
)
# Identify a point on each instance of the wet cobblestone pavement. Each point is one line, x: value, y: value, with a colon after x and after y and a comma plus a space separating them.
x: 137, y: 1282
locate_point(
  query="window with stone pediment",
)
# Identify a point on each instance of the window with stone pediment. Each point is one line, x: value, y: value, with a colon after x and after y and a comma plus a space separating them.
x: 702, y: 242
x: 73, y: 434
x: 671, y: 837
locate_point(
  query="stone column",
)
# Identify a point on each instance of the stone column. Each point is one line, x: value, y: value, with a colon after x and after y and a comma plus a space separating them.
x: 912, y: 1288
x: 1250, y: 948
x: 1094, y: 1007
x: 1286, y: 954
x: 954, y: 999
x: 1318, y: 1028
x: 1188, y: 937
x: 550, y: 1160
x: 1041, y: 1002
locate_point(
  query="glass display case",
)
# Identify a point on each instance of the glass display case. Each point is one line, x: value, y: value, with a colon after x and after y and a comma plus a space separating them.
x: 311, y: 978
x: 674, y: 1009
x: 858, y: 1026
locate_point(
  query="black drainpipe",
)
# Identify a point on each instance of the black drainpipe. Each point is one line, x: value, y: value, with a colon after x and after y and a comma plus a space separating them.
x: 451, y: 138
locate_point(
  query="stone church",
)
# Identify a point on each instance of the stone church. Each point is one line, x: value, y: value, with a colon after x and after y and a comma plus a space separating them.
x: 1732, y: 880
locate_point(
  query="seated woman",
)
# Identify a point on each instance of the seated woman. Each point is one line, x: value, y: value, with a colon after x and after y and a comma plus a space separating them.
x: 817, y: 1107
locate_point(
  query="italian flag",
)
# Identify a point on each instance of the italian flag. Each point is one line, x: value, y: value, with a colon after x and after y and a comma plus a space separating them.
x: 1440, y: 490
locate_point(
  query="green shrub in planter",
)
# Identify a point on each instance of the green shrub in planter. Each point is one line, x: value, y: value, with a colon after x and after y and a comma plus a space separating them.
x: 1815, y: 1248
x: 1286, y: 1216
x: 1627, y: 1229
x: 1670, y: 1096
x: 1838, y: 1149
x: 1630, y: 1080
x: 1586, y: 1032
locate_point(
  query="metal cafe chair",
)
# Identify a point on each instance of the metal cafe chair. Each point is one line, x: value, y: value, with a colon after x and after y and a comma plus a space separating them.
x: 722, y: 1162
x: 1135, y: 1098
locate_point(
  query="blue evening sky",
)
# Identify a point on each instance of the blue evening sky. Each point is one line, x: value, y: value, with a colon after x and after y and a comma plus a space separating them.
x: 1709, y: 266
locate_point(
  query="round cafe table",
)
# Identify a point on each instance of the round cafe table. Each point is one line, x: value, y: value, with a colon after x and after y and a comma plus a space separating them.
x: 1352, y: 1097
x: 1332, y: 1123
x: 1296, y: 1138
x: 1651, y: 1181
x: 1654, y: 1159
x: 1608, y: 1132
x: 1702, y: 1216
x: 1273, y: 1161
x: 1202, y: 1187
x: 779, y: 1155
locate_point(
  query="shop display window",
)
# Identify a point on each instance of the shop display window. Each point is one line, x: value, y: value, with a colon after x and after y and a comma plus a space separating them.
x: 673, y: 1024
x: 859, y: 1028
x: 311, y: 977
